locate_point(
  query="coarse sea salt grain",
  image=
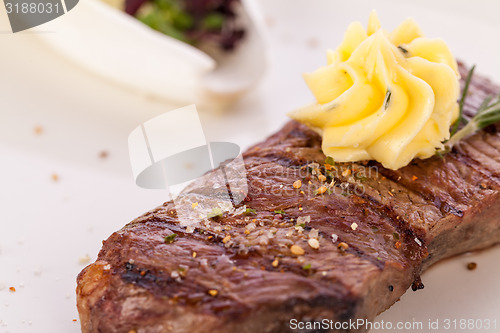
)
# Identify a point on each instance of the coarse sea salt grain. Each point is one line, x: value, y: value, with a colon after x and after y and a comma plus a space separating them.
x: 251, y: 226
x: 335, y: 237
x: 313, y: 233
x: 83, y: 260
x: 303, y: 219
x: 240, y: 210
x: 313, y: 243
x: 38, y: 270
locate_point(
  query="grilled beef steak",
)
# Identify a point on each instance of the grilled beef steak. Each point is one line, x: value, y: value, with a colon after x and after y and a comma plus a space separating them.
x: 387, y: 226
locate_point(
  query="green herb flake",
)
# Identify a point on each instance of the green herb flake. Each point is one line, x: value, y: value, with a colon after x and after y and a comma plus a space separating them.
x: 170, y: 238
x: 250, y: 211
x: 306, y: 267
x: 329, y: 160
x: 402, y: 49
x: 387, y: 99
x: 396, y: 236
x: 279, y: 212
x: 215, y: 212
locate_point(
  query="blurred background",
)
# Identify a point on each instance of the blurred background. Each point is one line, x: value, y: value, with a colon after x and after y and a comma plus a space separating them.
x: 66, y: 182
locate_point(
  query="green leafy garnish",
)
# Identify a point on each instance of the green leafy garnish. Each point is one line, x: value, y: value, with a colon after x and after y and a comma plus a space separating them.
x: 168, y: 17
x: 213, y: 21
x: 279, y: 212
x: 215, y: 212
x: 183, y: 20
x: 170, y: 238
x: 306, y: 267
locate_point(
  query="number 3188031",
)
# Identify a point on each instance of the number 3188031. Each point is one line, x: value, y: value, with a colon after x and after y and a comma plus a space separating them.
x: 32, y: 8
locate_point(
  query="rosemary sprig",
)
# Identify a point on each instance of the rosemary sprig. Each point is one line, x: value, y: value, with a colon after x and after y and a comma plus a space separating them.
x: 487, y: 114
x: 461, y: 104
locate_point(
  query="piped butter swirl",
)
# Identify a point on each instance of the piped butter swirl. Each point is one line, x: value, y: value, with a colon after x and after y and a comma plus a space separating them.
x: 389, y: 97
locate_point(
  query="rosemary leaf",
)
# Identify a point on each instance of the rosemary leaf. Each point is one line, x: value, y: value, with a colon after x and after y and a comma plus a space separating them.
x: 484, y: 104
x: 487, y: 114
x: 461, y: 118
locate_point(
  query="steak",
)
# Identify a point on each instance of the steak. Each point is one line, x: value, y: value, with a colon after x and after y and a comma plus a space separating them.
x: 344, y: 245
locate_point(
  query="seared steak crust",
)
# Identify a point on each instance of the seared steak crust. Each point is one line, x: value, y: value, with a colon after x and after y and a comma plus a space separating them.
x: 394, y: 223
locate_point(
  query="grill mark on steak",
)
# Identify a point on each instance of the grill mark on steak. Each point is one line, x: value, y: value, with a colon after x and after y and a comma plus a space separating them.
x: 451, y: 207
x: 475, y: 154
x: 409, y: 234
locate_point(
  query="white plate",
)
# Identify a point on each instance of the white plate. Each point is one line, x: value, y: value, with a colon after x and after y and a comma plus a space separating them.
x: 47, y: 226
